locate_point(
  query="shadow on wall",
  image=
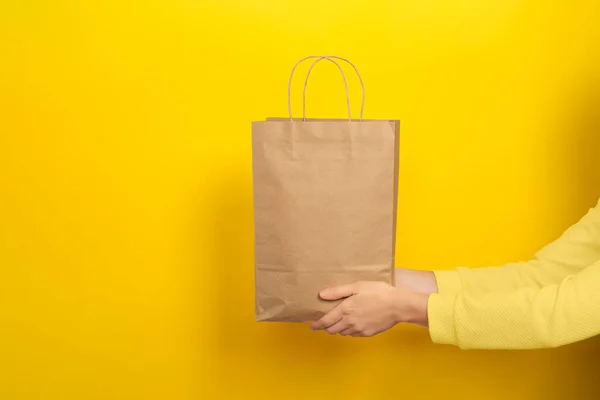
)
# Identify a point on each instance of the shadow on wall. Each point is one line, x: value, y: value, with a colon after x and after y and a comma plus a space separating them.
x: 231, y: 250
x: 582, y: 142
x: 237, y: 339
x: 585, y: 138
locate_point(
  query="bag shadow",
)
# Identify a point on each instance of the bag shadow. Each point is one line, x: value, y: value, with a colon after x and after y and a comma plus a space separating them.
x: 237, y: 336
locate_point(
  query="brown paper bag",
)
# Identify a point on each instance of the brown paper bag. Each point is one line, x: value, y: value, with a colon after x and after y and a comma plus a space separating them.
x: 325, y: 194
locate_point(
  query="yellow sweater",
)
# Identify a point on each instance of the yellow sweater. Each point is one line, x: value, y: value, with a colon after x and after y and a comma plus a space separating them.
x: 550, y: 301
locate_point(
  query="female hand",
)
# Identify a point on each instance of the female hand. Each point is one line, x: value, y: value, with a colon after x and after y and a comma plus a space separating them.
x: 370, y: 308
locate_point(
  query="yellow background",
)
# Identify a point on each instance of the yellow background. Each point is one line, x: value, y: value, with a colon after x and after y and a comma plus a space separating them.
x: 126, y: 259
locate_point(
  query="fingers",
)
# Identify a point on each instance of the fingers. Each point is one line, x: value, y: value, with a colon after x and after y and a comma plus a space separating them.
x: 329, y: 319
x: 338, y: 292
x: 348, y: 331
x: 337, y: 327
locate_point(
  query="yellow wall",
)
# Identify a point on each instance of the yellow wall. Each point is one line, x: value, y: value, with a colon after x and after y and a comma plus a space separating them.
x: 126, y: 266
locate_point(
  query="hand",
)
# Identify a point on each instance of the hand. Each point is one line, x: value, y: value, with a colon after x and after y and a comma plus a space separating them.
x: 370, y: 308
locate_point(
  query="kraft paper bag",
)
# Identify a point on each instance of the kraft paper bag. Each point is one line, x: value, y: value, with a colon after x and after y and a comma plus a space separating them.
x: 325, y: 195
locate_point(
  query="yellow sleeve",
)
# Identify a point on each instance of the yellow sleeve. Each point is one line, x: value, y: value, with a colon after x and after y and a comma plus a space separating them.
x: 448, y: 281
x: 528, y: 318
x: 575, y: 249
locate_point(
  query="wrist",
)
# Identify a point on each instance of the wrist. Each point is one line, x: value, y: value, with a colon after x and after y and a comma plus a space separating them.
x: 416, y: 281
x: 412, y: 308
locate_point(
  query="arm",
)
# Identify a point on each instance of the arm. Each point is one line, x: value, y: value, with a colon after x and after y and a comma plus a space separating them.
x: 575, y: 249
x: 527, y: 318
x: 415, y: 281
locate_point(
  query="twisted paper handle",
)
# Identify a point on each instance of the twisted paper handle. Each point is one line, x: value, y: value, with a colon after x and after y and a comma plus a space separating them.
x: 328, y: 58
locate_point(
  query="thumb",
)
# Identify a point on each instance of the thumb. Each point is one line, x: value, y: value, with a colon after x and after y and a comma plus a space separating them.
x: 338, y: 292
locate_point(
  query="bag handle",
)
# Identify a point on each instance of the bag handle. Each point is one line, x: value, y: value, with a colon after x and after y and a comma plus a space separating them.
x: 328, y: 58
x: 362, y: 105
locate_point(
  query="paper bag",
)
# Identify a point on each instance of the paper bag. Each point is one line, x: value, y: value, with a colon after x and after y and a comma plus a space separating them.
x: 325, y: 195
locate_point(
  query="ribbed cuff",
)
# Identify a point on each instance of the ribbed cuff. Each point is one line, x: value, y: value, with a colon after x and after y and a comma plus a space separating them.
x: 448, y: 281
x: 440, y: 313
